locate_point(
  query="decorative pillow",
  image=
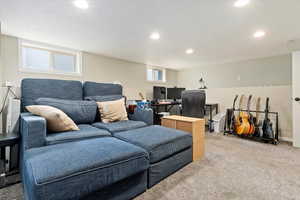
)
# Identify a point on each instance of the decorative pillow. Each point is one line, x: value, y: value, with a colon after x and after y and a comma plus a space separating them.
x: 57, y: 120
x: 112, y: 111
x: 104, y: 98
x: 81, y: 112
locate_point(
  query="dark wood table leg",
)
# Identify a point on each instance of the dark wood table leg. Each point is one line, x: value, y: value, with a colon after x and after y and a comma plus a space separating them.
x: 210, y: 119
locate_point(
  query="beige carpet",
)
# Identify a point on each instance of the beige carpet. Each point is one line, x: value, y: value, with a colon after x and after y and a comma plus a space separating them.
x: 232, y: 169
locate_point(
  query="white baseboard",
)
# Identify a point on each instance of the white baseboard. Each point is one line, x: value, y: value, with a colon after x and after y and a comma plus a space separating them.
x: 286, y: 139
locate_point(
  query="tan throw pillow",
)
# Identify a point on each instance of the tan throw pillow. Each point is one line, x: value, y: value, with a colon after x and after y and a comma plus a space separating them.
x: 112, y: 111
x: 57, y: 120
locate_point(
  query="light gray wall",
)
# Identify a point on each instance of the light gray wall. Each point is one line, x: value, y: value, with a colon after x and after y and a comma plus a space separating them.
x: 272, y: 71
x: 95, y: 68
x: 266, y: 77
x: 1, y: 79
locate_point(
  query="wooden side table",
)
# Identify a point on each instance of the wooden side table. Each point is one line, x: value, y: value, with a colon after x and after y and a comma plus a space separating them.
x: 195, y: 126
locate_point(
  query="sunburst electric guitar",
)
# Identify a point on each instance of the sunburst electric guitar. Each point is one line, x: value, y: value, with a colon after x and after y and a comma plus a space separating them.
x: 244, y: 125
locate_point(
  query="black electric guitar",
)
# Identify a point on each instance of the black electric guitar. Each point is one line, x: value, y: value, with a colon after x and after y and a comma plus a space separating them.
x: 267, y: 128
x: 257, y: 123
x: 251, y: 120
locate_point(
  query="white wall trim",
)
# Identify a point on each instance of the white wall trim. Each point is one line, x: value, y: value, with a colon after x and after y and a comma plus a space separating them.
x: 286, y: 139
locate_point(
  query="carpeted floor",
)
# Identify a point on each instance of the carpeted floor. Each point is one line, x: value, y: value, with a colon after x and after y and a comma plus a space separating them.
x: 232, y: 169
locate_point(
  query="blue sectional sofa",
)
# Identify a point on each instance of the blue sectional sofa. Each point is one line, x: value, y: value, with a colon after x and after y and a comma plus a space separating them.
x: 118, y: 160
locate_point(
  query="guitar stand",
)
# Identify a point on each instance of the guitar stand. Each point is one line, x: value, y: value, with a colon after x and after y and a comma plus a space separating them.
x: 274, y: 140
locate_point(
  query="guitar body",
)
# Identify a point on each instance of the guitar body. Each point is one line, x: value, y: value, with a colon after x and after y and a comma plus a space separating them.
x: 244, y: 127
x: 252, y: 127
x: 267, y: 128
x: 256, y: 121
x: 238, y: 120
x: 268, y: 131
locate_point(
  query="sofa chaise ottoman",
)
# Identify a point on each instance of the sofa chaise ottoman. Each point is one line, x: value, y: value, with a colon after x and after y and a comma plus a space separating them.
x: 78, y: 169
x: 169, y: 149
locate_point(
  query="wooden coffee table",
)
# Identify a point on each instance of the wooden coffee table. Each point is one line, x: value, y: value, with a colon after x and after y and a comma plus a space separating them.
x: 195, y: 126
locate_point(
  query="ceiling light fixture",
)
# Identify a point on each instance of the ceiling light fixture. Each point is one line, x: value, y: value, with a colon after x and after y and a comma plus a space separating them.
x: 155, y: 36
x: 189, y: 51
x: 241, y: 3
x: 259, y: 34
x: 82, y: 4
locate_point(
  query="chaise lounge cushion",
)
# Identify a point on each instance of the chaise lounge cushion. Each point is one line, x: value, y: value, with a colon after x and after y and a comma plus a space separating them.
x: 120, y: 125
x: 86, y: 131
x: 90, y: 166
x: 160, y: 142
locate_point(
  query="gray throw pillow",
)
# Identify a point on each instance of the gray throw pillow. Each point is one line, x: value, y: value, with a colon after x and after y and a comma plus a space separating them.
x: 81, y: 112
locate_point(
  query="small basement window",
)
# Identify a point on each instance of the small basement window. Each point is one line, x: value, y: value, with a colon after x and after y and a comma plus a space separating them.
x: 156, y: 75
x: 41, y: 58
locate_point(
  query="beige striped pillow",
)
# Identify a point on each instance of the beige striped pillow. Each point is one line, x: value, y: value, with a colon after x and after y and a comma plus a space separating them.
x: 57, y: 120
x: 112, y: 111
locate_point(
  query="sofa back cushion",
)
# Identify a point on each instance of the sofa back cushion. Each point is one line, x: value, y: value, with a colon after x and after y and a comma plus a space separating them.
x: 32, y: 89
x: 81, y: 112
x: 101, y: 89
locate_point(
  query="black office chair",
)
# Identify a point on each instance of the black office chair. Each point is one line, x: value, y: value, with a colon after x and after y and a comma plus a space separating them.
x: 193, y: 103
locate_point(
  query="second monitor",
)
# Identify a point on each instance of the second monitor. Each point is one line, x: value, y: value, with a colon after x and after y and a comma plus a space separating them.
x: 174, y: 93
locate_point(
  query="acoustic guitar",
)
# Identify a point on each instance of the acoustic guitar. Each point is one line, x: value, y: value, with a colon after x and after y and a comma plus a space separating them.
x: 257, y: 132
x: 232, y: 118
x: 251, y: 121
x: 267, y: 124
x: 244, y: 126
x: 238, y: 119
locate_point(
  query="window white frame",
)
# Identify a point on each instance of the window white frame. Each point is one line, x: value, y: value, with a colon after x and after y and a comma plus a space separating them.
x: 153, y: 75
x: 52, y: 50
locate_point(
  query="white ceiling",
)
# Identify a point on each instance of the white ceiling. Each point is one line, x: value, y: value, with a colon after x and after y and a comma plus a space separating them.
x: 216, y: 30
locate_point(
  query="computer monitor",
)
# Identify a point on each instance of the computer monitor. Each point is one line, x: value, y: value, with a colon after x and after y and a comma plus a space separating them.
x: 159, y: 93
x: 174, y: 93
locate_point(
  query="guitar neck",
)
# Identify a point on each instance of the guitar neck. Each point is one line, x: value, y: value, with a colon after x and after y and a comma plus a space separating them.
x: 267, y: 109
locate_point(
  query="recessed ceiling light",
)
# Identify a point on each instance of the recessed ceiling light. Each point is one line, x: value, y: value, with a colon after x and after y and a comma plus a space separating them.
x: 241, y: 3
x: 155, y: 36
x: 189, y: 51
x: 82, y: 4
x: 259, y: 34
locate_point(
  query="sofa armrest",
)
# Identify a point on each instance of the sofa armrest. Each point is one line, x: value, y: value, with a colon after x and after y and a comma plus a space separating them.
x: 144, y: 115
x: 33, y: 131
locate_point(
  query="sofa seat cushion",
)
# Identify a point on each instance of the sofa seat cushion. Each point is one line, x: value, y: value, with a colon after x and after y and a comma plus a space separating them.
x: 86, y: 131
x: 125, y: 125
x: 73, y: 170
x: 160, y: 142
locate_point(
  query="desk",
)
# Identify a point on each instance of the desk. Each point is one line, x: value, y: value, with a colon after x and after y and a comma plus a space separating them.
x: 167, y: 107
x: 210, y: 107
